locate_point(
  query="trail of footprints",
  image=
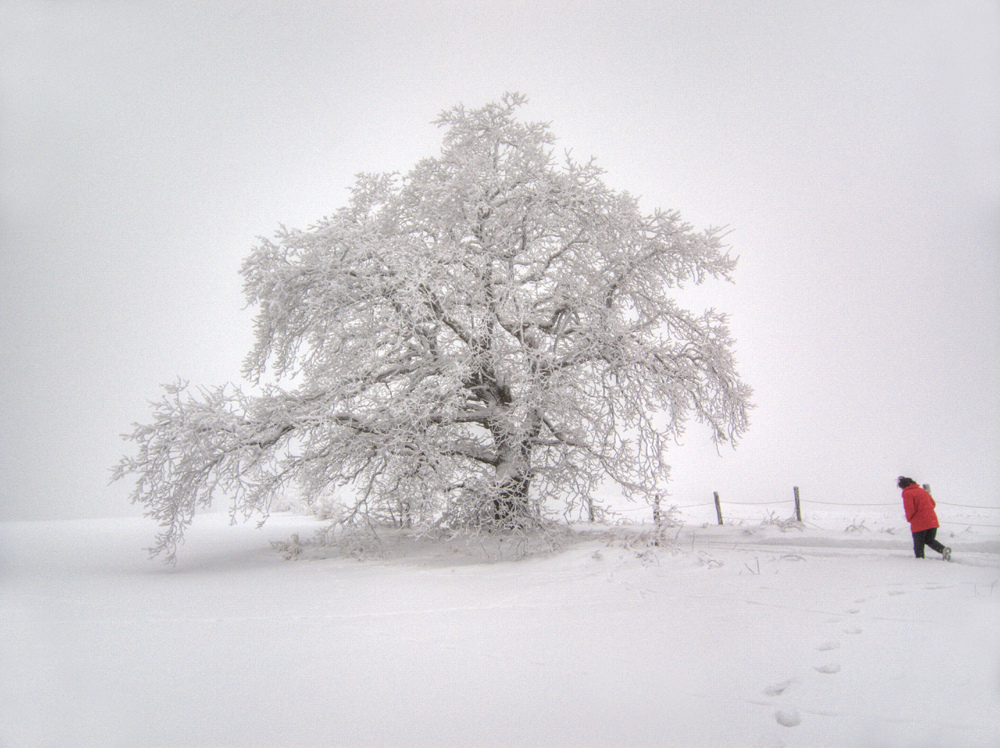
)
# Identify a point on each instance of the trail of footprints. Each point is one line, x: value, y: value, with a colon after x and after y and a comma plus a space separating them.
x: 789, y: 716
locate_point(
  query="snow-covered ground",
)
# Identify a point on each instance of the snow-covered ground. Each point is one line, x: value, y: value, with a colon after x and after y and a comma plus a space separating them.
x: 743, y: 635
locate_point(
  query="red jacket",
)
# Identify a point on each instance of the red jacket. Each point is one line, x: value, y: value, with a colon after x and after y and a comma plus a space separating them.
x: 919, y: 508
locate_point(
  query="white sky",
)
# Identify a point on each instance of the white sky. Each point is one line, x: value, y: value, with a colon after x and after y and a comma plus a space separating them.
x: 853, y: 148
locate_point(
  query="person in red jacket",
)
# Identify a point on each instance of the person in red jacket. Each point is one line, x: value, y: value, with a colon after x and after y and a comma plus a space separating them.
x: 919, y: 507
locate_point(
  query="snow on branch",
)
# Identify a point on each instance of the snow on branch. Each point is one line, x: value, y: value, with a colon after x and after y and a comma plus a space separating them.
x: 483, y: 336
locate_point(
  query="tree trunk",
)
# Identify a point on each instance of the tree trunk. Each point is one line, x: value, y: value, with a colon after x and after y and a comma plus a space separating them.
x: 513, y: 472
x: 510, y: 507
x: 513, y: 476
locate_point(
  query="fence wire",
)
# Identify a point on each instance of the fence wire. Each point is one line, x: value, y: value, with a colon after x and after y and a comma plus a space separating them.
x: 804, y: 503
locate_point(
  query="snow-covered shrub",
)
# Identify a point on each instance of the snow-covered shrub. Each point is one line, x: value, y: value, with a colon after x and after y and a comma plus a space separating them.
x: 789, y: 523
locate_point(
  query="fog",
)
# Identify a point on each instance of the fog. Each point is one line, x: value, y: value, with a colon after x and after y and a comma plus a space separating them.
x: 851, y: 148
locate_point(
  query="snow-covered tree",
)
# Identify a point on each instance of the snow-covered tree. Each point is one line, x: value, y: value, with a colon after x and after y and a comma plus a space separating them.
x: 488, y: 334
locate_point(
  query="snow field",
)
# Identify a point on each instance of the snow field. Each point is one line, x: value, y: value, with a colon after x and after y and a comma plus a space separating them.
x: 735, y: 635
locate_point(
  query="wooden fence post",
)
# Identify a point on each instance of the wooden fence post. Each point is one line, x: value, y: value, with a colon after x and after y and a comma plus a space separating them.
x: 656, y: 510
x: 718, y: 507
x: 798, y: 506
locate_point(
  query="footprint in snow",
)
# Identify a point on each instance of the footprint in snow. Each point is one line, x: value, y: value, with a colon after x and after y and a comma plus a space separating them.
x: 828, y: 669
x: 788, y: 717
x: 779, y: 688
x: 853, y: 631
x: 828, y: 646
x: 894, y: 593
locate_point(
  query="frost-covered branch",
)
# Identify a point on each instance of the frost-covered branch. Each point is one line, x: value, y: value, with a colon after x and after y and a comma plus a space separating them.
x: 490, y: 332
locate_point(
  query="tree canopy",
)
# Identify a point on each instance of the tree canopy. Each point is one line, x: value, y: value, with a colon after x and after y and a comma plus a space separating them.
x: 487, y: 336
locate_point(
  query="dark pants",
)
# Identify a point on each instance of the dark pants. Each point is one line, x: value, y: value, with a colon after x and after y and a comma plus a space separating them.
x: 926, y: 537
